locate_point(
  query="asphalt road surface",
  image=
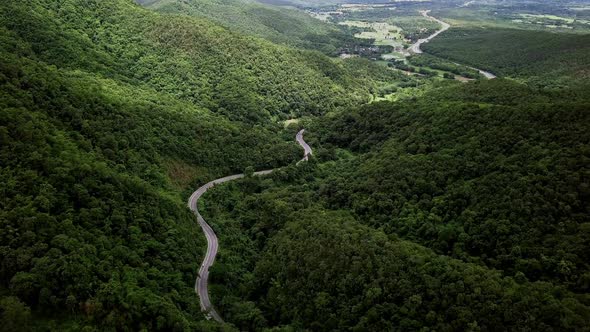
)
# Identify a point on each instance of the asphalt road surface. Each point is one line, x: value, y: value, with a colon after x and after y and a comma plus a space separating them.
x: 201, y: 284
x: 307, y: 150
x: 415, y: 48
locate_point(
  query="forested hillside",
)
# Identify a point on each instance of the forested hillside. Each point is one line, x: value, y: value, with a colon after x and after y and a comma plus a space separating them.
x: 108, y: 113
x: 503, y: 183
x: 92, y: 224
x: 458, y: 207
x: 280, y: 25
x: 190, y: 58
x: 543, y: 58
x: 466, y: 209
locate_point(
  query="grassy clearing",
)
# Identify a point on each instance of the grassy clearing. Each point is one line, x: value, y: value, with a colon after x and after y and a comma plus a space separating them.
x: 384, y: 34
x: 414, y: 26
x: 549, y: 17
x: 286, y: 123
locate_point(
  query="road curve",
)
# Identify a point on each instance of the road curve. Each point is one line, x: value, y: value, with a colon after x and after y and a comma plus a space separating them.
x: 212, y: 244
x: 415, y: 48
x: 306, y: 149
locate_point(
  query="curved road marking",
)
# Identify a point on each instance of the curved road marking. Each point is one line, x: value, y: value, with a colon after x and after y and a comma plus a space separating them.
x: 212, y: 244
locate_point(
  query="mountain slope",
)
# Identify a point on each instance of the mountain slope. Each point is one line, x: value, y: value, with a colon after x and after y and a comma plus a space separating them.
x: 277, y: 24
x: 483, y: 175
x: 108, y: 113
x: 544, y: 58
x: 465, y: 209
x: 192, y: 59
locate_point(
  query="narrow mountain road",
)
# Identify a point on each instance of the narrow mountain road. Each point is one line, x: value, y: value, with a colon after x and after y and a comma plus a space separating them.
x: 307, y: 150
x: 415, y: 48
x: 212, y: 244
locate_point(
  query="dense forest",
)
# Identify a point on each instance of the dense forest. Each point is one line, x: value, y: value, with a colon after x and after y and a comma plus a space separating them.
x: 457, y: 207
x: 109, y: 113
x: 466, y: 209
x: 283, y: 26
x: 545, y: 59
x: 91, y: 220
x: 519, y: 167
x: 190, y: 58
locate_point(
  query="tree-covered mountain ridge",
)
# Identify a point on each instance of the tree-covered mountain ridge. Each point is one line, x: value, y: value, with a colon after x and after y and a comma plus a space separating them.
x: 109, y: 112
x: 191, y: 58
x: 282, y: 25
x: 465, y: 209
x: 459, y: 207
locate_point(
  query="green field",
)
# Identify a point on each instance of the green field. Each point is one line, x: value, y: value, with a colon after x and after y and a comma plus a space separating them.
x: 382, y: 33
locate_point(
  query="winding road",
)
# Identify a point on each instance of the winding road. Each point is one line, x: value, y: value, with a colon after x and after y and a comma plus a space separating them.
x: 201, y: 284
x: 307, y: 150
x: 415, y: 48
